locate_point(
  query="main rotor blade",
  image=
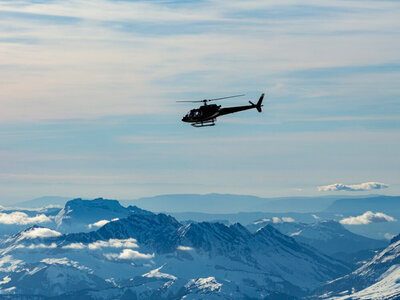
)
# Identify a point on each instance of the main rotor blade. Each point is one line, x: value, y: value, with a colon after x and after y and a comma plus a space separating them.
x: 215, y: 99
x: 193, y: 101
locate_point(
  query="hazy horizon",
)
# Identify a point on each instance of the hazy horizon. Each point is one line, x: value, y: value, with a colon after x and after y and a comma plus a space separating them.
x: 322, y: 195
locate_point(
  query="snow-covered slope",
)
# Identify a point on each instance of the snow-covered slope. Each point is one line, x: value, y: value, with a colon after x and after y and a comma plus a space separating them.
x: 327, y: 236
x: 377, y: 279
x: 50, y: 277
x: 153, y: 255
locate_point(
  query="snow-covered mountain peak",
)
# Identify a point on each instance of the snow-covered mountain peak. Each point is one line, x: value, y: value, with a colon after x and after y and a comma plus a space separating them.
x: 203, y: 285
x: 214, y: 238
x: 157, y: 232
x: 111, y: 205
x: 84, y: 215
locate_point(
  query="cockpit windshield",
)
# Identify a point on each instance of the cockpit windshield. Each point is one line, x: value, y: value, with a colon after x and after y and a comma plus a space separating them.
x: 194, y: 113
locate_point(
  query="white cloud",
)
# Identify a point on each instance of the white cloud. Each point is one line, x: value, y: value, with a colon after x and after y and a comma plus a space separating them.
x: 5, y: 280
x: 367, y: 218
x: 39, y: 232
x: 366, y: 186
x: 114, y: 243
x: 101, y: 223
x: 129, y: 254
x: 98, y: 224
x: 184, y: 248
x: 21, y: 218
x: 8, y: 264
x: 111, y: 243
x: 287, y: 219
x: 132, y: 254
x: 60, y: 261
x: 74, y: 246
x: 262, y: 221
x: 276, y: 220
x: 42, y: 246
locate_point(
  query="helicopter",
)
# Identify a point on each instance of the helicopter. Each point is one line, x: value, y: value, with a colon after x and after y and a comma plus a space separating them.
x: 206, y: 115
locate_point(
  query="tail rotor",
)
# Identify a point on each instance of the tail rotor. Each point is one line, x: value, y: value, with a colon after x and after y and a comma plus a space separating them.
x: 259, y: 103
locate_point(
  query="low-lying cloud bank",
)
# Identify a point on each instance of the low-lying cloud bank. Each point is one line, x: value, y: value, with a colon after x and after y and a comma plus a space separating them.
x: 111, y: 243
x: 128, y: 254
x: 38, y: 246
x: 367, y: 218
x: 276, y: 220
x: 38, y: 232
x: 366, y: 186
x: 101, y: 223
x: 21, y: 218
x: 184, y: 248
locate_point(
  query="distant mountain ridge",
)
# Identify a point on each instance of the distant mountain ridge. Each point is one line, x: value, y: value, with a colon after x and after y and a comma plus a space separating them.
x: 386, y: 204
x: 231, y: 203
x: 44, y: 201
x: 327, y: 236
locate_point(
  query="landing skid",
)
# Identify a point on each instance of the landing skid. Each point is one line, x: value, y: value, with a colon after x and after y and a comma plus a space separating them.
x: 204, y: 124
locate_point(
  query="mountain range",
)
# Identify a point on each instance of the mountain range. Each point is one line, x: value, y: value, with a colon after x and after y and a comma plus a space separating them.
x: 99, y: 249
x: 154, y: 255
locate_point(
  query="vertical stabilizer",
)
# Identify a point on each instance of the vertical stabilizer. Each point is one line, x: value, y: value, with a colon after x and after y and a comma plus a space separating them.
x: 259, y: 103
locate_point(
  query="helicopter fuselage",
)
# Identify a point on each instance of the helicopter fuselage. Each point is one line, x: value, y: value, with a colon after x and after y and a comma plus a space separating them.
x: 211, y: 112
x: 206, y: 114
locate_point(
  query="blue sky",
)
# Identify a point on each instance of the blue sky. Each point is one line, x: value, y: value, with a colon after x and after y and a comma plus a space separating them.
x: 88, y: 91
